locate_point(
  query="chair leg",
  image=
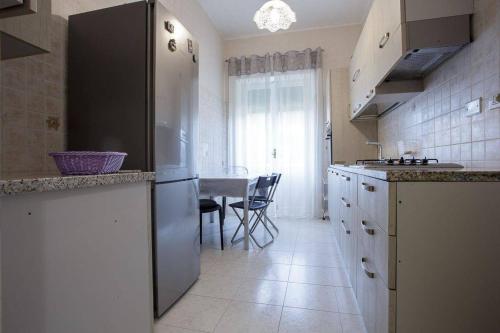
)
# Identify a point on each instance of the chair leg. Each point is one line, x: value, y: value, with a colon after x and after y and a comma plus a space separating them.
x: 233, y: 241
x: 201, y: 228
x: 221, y: 228
x: 259, y: 220
x: 272, y: 224
x: 239, y: 226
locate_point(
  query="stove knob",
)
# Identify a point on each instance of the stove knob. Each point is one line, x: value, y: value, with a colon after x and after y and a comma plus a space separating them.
x: 402, y: 161
x: 425, y: 161
x: 390, y: 161
x: 413, y: 161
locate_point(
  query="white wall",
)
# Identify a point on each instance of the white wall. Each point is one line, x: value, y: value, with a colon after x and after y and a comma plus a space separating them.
x: 338, y: 43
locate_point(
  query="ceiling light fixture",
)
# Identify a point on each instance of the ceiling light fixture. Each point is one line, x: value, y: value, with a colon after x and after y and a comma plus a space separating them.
x: 274, y: 15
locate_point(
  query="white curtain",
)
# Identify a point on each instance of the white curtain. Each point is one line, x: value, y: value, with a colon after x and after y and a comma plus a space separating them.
x: 276, y: 125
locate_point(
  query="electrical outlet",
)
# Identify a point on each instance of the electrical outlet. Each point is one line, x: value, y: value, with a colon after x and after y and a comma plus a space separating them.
x: 494, y: 102
x: 473, y: 107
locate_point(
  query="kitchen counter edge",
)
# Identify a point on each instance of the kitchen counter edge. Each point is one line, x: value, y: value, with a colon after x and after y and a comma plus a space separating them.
x: 62, y: 183
x: 426, y: 175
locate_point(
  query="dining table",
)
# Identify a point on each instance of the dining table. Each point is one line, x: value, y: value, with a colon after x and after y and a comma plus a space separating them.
x: 221, y: 184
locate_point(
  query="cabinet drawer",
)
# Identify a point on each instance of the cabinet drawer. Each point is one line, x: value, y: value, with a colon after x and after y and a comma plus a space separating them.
x: 348, y: 184
x: 379, y: 248
x: 377, y: 198
x: 333, y: 206
x: 348, y: 243
x: 376, y: 302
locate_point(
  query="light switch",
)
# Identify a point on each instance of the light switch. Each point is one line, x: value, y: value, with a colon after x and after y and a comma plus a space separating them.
x: 473, y: 107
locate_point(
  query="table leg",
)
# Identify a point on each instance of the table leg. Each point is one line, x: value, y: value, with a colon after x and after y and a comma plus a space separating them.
x: 246, y: 244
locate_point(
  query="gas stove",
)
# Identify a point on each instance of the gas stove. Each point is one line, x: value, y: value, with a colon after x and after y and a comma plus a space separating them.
x: 424, y: 163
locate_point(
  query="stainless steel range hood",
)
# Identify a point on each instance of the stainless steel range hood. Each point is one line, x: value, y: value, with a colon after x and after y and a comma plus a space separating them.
x: 429, y: 43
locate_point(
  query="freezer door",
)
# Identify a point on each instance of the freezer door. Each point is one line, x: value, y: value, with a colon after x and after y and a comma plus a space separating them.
x: 177, y: 241
x: 107, y: 95
x: 175, y: 98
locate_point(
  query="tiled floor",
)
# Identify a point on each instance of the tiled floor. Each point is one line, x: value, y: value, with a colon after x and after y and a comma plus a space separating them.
x: 295, y: 285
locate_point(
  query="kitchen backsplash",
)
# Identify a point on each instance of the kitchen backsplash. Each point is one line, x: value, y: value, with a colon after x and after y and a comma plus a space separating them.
x: 434, y: 123
x: 32, y: 107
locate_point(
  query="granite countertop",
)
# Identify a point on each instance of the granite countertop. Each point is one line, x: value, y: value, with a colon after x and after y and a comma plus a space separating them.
x: 425, y: 175
x: 13, y: 184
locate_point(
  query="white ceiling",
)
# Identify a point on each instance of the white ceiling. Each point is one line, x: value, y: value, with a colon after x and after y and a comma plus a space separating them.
x: 234, y: 18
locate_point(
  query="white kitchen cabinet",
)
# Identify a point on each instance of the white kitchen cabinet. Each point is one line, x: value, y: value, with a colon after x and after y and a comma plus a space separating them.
x: 333, y: 204
x: 425, y: 252
x: 387, y: 50
x: 343, y: 216
x: 77, y: 261
x: 26, y: 34
x: 385, y: 41
x: 13, y: 8
x: 377, y: 303
x: 389, y: 15
x: 362, y: 67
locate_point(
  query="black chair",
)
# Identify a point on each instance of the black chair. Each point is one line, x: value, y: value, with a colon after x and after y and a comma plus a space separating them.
x: 264, y: 185
x: 269, y: 198
x: 210, y: 206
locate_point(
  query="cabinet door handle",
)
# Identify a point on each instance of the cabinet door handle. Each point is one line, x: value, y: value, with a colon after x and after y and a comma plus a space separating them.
x: 384, y: 40
x: 345, y: 203
x: 347, y: 179
x: 355, y: 76
x: 368, y: 187
x: 370, y: 94
x: 369, y: 231
x: 345, y: 229
x: 371, y: 275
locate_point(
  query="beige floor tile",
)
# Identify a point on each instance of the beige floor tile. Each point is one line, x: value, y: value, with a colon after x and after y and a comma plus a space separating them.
x: 317, y: 259
x: 316, y: 248
x: 319, y: 275
x: 312, y: 297
x: 249, y: 318
x: 294, y: 320
x: 352, y: 323
x: 270, y: 257
x: 266, y: 256
x: 247, y: 290
x: 195, y: 313
x: 262, y: 291
x: 235, y: 269
x: 314, y: 235
x: 218, y: 286
x: 275, y: 272
x: 171, y: 329
x: 284, y: 246
x: 346, y: 300
x: 206, y: 266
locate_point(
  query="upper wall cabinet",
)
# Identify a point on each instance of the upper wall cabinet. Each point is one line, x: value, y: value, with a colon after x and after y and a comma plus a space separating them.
x: 11, y: 8
x: 24, y: 28
x: 401, y: 42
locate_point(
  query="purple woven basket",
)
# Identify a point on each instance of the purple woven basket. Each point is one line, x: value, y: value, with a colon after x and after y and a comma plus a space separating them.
x: 88, y: 162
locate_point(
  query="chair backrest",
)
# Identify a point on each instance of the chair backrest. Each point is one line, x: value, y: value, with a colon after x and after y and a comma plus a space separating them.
x: 264, y: 186
x: 275, y: 185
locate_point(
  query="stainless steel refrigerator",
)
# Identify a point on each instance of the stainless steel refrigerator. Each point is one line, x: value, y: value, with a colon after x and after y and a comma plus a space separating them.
x: 133, y: 87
